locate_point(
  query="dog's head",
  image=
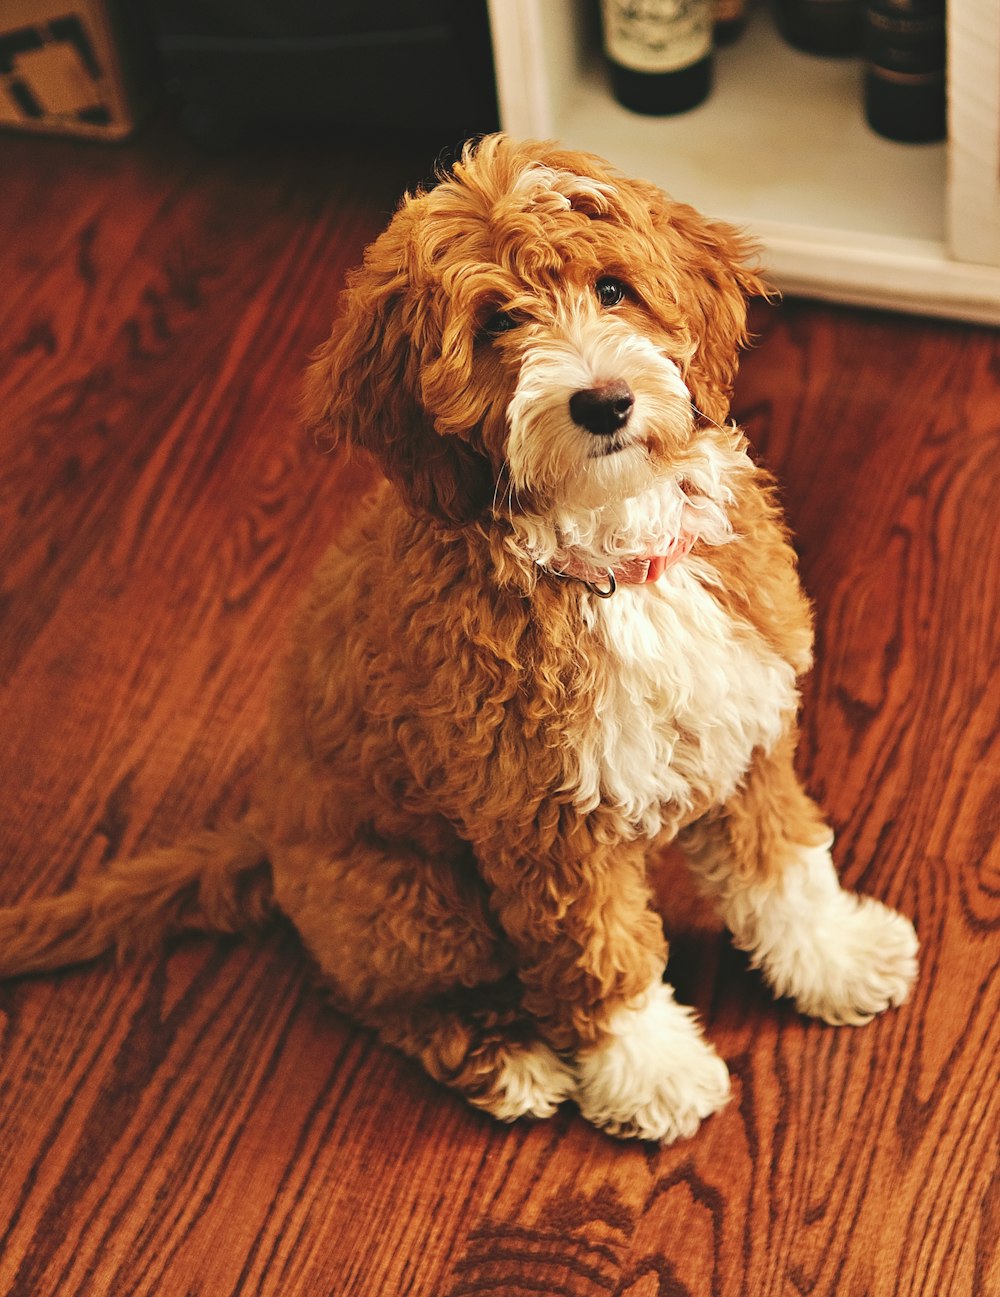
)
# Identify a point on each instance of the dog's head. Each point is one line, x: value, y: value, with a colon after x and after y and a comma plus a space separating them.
x: 535, y: 328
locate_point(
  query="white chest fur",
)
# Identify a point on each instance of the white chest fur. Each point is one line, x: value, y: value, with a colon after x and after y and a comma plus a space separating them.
x: 685, y: 696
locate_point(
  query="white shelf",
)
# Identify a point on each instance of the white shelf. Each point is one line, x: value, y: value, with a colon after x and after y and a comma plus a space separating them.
x: 780, y: 147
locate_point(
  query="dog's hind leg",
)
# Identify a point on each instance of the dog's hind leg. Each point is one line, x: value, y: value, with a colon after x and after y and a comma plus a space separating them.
x: 407, y: 944
x: 765, y: 860
x: 591, y: 958
x: 485, y: 1048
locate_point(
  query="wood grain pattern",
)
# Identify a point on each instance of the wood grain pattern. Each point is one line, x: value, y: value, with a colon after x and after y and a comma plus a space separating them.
x: 201, y: 1123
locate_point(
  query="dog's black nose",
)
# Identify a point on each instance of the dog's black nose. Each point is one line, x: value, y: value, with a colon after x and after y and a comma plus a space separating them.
x: 602, y: 410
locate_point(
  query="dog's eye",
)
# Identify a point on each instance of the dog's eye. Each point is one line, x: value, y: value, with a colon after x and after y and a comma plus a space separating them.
x: 499, y: 322
x: 610, y: 291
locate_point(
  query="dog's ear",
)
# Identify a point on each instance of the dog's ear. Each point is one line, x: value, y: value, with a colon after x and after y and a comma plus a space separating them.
x: 710, y: 274
x: 361, y: 389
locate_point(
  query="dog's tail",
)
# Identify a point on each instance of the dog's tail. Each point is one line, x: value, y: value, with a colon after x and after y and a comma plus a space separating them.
x: 216, y: 882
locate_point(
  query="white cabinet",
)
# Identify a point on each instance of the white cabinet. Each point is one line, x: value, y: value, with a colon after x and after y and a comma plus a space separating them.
x: 781, y: 147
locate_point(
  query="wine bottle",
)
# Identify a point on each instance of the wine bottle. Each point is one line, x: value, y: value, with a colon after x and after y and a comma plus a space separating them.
x: 821, y: 26
x: 659, y: 53
x: 905, y: 69
x: 729, y: 18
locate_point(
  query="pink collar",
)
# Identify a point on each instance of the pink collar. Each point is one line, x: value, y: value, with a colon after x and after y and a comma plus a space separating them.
x: 634, y: 571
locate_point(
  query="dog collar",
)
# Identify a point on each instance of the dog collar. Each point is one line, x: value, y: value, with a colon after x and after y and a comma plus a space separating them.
x: 635, y: 571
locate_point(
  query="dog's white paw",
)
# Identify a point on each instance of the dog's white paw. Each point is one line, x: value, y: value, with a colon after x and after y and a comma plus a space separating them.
x: 863, y: 959
x: 840, y: 957
x: 532, y: 1081
x: 654, y: 1076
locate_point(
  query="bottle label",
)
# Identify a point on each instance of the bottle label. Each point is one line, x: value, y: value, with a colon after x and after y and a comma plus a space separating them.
x: 657, y: 35
x: 904, y: 44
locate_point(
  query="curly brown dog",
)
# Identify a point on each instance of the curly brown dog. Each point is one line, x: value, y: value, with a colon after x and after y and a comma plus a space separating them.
x: 567, y: 629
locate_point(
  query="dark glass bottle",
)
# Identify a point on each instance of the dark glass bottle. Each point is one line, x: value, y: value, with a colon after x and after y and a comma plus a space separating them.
x: 730, y: 18
x: 905, y: 69
x: 822, y: 26
x: 659, y: 53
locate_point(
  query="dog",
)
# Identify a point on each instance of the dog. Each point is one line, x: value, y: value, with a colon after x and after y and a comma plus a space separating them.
x: 566, y: 629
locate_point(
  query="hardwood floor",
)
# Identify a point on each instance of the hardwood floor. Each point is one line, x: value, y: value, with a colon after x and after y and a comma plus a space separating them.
x: 199, y: 1122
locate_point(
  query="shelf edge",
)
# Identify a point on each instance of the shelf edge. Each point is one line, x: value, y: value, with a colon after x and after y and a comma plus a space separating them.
x: 908, y: 275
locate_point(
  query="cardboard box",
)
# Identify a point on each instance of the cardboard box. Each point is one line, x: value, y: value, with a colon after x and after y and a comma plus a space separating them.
x: 71, y: 68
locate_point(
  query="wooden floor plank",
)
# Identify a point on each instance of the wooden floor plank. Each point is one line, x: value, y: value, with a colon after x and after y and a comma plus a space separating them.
x: 201, y: 1122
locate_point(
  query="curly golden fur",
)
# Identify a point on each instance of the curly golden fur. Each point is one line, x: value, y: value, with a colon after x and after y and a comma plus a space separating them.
x: 473, y: 752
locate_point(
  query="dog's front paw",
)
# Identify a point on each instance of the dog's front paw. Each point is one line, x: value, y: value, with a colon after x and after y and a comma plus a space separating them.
x: 840, y: 957
x: 863, y: 961
x: 654, y: 1076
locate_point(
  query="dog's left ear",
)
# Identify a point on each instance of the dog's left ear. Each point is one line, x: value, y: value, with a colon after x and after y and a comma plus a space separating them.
x: 361, y: 385
x: 712, y: 275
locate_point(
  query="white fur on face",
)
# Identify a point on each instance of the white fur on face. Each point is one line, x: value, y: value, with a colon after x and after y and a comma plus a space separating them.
x: 654, y: 1076
x: 550, y: 454
x: 688, y: 502
x: 840, y: 957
